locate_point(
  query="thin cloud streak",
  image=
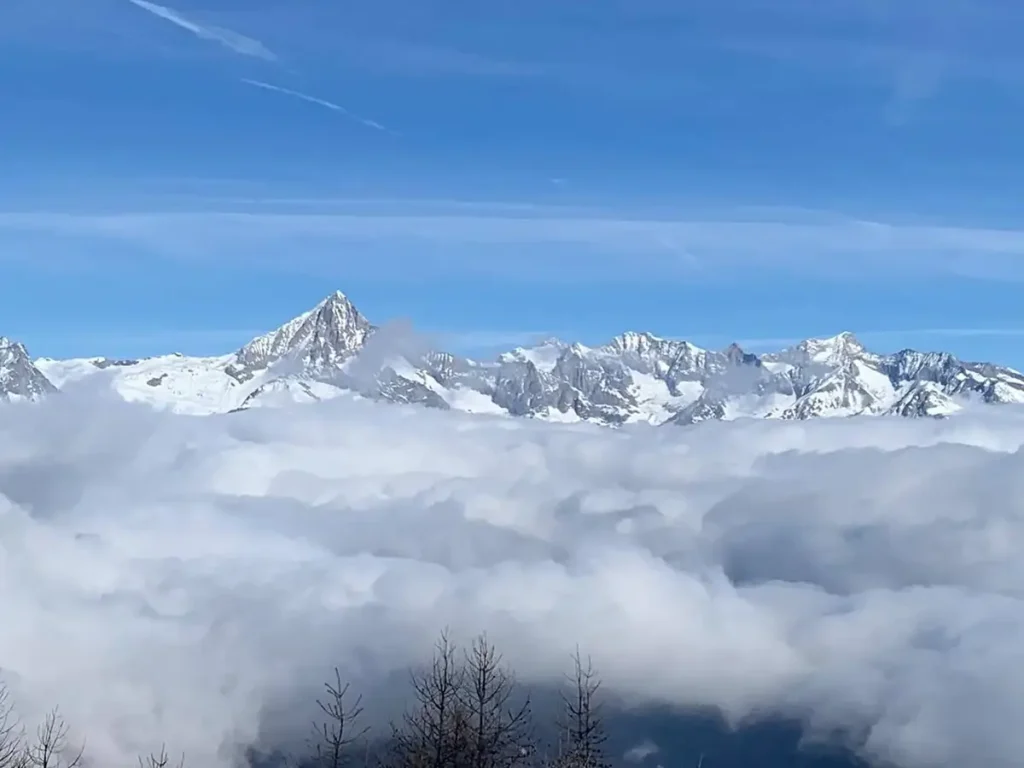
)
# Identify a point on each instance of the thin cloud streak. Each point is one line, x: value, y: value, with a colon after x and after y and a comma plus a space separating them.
x: 844, y: 248
x: 321, y: 102
x: 234, y: 41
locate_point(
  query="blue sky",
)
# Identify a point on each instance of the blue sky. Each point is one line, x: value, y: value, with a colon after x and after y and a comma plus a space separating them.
x: 179, y: 177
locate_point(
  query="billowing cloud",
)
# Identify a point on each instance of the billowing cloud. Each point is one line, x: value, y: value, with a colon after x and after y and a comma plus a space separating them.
x: 175, y: 579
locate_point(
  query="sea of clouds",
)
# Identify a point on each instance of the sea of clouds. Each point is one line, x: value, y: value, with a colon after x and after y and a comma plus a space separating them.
x: 193, y: 580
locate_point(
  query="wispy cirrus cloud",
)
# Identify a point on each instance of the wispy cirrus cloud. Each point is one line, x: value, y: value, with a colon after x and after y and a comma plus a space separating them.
x: 404, y: 57
x: 231, y: 40
x: 566, y: 243
x: 910, y: 51
x: 318, y: 101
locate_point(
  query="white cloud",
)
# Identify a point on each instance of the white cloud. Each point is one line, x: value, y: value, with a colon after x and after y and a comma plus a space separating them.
x: 641, y: 751
x: 588, y: 245
x: 174, y: 579
x: 234, y: 41
x: 318, y: 101
x: 485, y: 340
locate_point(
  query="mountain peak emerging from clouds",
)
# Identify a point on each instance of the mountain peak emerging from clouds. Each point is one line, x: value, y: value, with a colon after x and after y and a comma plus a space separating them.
x: 19, y: 378
x: 316, y: 341
x: 333, y: 350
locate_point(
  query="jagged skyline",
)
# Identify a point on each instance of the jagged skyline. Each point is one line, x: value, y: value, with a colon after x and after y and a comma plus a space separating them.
x: 334, y: 350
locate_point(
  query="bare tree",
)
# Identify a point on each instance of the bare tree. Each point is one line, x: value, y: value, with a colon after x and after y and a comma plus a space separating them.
x: 50, y: 748
x: 12, y: 734
x: 434, y: 733
x: 582, y: 726
x: 334, y: 737
x: 501, y: 731
x: 160, y: 760
x: 467, y: 713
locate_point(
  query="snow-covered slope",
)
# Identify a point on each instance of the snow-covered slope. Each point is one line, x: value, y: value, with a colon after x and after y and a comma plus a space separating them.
x: 20, y: 379
x: 333, y: 350
x: 317, y: 341
x: 294, y: 363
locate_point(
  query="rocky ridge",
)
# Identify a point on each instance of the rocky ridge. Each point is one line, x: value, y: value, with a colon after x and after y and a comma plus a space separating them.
x: 333, y: 350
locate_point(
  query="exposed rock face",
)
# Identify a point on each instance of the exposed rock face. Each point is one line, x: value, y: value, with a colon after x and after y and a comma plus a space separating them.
x: 636, y: 377
x: 317, y: 341
x: 20, y: 379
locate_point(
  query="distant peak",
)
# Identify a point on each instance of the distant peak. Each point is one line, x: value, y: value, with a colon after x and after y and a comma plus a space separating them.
x: 832, y: 348
x: 636, y: 341
x: 337, y: 297
x: 847, y: 337
x: 321, y: 338
x: 844, y: 337
x: 638, y: 335
x: 552, y: 340
x: 335, y: 304
x: 18, y: 375
x: 737, y: 356
x: 12, y: 346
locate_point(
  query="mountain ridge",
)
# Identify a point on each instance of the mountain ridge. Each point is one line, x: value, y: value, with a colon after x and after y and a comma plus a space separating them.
x: 333, y: 350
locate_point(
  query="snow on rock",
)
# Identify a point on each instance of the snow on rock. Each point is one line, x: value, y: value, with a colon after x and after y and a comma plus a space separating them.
x: 20, y: 379
x: 317, y: 340
x: 636, y: 377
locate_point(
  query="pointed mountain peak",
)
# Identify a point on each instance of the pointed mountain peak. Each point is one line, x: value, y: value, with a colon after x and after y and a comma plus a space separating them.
x: 543, y: 355
x: 19, y: 377
x: 831, y: 349
x: 12, y: 352
x: 317, y: 340
x: 645, y: 343
x: 735, y: 354
x: 845, y: 338
x: 335, y: 298
x: 633, y: 339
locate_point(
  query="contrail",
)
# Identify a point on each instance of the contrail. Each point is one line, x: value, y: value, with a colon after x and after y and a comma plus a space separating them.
x: 314, y: 100
x: 231, y: 40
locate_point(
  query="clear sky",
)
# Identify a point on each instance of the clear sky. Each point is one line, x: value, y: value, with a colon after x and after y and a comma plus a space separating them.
x: 179, y: 177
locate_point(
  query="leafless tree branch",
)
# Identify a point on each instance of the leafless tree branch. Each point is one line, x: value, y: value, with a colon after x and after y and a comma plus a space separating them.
x: 12, y: 734
x: 159, y: 760
x: 582, y: 723
x: 51, y: 748
x: 334, y: 737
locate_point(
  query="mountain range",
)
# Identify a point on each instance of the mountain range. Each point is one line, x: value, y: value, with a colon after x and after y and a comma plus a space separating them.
x: 333, y: 350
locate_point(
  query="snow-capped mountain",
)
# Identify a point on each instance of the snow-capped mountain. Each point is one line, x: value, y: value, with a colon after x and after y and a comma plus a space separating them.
x: 333, y: 350
x: 20, y: 379
x: 316, y: 342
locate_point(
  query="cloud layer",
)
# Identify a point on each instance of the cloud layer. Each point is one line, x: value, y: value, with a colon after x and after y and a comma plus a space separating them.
x: 170, y: 579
